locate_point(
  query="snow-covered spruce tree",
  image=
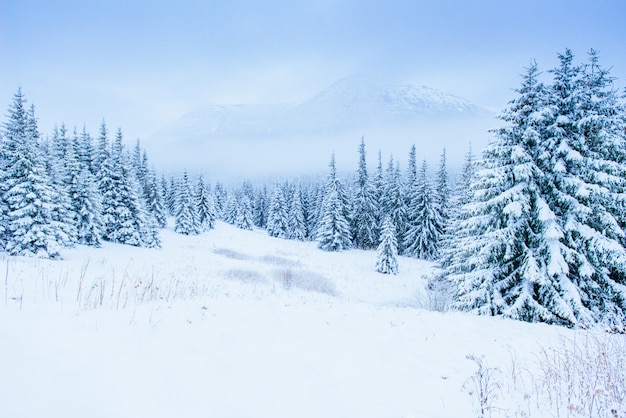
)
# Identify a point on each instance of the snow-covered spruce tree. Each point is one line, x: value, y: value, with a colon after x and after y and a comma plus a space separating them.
x: 333, y: 232
x: 170, y: 198
x: 28, y: 195
x: 229, y: 209
x: 443, y: 192
x: 585, y: 146
x: 186, y: 219
x: 243, y: 212
x: 88, y: 209
x: 260, y: 208
x: 379, y: 193
x: 220, y: 196
x: 364, y: 206
x: 296, y: 223
x: 277, y: 217
x: 393, y: 203
x: 425, y: 224
x: 387, y: 252
x: 85, y: 151
x: 463, y: 195
x: 411, y: 172
x: 123, y: 214
x: 101, y: 152
x: 541, y: 243
x: 62, y: 167
x: 315, y: 197
x: 207, y: 215
x: 154, y: 199
x: 507, y: 258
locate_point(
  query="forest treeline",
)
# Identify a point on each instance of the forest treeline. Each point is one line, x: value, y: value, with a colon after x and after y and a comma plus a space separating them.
x: 534, y: 229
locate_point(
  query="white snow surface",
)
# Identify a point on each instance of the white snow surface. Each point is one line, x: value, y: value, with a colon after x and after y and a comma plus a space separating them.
x: 234, y: 323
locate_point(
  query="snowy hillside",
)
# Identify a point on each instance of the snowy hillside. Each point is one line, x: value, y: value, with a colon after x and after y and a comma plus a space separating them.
x: 392, y: 117
x: 234, y: 323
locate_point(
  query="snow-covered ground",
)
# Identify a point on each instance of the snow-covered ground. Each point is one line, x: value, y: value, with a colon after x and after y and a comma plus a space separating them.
x: 234, y: 323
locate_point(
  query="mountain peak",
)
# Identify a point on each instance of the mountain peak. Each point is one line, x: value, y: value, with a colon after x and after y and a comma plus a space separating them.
x: 389, y: 115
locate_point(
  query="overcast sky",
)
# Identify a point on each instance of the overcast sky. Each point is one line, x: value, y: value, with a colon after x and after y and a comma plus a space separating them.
x: 140, y: 64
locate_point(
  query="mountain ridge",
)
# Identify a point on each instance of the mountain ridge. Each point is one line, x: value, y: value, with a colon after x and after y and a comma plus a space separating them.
x: 390, y: 116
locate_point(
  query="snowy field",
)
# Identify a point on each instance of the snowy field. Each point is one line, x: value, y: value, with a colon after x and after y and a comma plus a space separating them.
x: 234, y: 323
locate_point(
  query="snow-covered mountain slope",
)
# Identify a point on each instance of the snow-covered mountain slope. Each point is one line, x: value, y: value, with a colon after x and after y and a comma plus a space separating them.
x: 234, y: 323
x: 273, y: 137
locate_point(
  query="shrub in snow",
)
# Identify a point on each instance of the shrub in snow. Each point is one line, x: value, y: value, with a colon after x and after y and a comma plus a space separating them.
x: 305, y: 280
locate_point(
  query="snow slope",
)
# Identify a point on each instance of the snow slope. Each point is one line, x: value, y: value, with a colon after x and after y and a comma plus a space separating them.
x: 234, y: 323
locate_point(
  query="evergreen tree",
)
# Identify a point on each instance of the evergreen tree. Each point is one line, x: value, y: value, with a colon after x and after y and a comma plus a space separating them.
x: 463, y: 195
x: 423, y: 235
x: 508, y: 254
x: 333, y: 233
x: 296, y: 221
x: 393, y: 203
x: 229, y: 210
x: 543, y: 241
x: 28, y: 197
x: 379, y: 196
x: 243, y: 212
x: 278, y: 218
x: 102, y: 151
x: 124, y: 216
x: 88, y: 209
x: 85, y: 151
x: 170, y: 199
x: 443, y: 192
x: 154, y: 199
x: 365, y: 206
x: 387, y: 252
x: 207, y: 215
x: 186, y: 220
x: 220, y: 197
x: 260, y: 208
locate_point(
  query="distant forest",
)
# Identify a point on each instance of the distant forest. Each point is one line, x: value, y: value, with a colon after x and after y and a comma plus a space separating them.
x: 534, y: 229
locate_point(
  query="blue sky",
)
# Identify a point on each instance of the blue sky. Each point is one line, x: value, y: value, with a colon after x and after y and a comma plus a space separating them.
x: 141, y: 64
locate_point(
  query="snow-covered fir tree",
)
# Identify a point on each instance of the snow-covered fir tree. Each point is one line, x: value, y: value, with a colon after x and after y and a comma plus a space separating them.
x: 425, y: 224
x: 443, y: 191
x: 207, y: 215
x: 278, y: 217
x: 101, y: 153
x: 154, y: 199
x: 507, y: 254
x: 463, y: 195
x: 260, y: 208
x: 88, y: 208
x: 28, y: 197
x: 296, y: 222
x: 186, y: 218
x: 229, y: 209
x: 364, y: 207
x: 243, y: 212
x: 124, y: 216
x: 387, y: 252
x: 333, y: 232
x: 170, y: 198
x: 220, y: 196
x: 85, y: 151
x: 543, y: 241
x: 393, y: 202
